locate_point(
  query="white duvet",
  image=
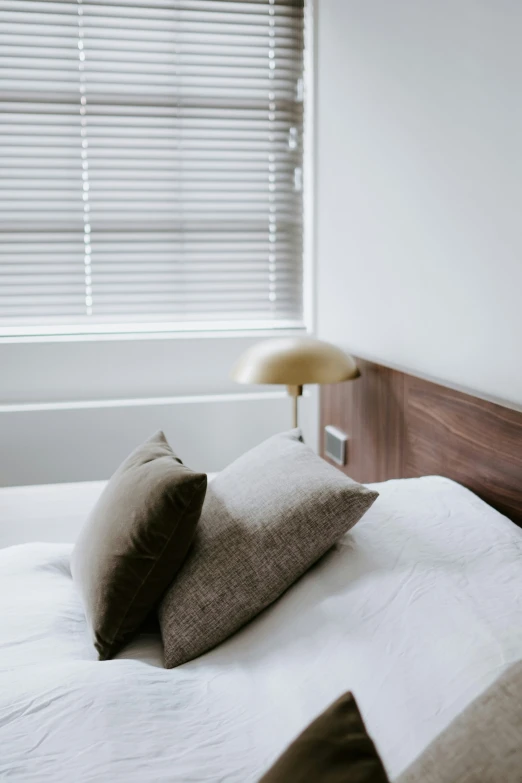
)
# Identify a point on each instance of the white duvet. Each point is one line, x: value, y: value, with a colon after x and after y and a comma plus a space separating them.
x: 416, y: 611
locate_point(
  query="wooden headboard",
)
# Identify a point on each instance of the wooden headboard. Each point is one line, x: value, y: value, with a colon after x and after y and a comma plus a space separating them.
x: 400, y: 426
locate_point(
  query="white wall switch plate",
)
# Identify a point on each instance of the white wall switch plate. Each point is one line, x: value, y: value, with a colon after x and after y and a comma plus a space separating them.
x: 335, y: 444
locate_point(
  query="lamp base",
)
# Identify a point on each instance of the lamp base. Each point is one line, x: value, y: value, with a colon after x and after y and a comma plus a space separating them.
x: 295, y: 392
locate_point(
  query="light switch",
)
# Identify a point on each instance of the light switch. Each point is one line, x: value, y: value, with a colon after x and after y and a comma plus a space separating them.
x: 335, y: 444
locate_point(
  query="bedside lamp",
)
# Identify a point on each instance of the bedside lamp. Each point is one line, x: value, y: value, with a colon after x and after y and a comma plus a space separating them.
x: 294, y: 361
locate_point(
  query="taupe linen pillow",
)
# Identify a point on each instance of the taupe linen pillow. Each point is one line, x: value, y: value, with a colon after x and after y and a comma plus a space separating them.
x: 266, y: 518
x: 481, y: 745
x: 335, y: 748
x: 135, y: 540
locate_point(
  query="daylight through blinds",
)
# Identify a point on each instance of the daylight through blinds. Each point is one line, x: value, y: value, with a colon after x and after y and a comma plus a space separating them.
x: 151, y: 158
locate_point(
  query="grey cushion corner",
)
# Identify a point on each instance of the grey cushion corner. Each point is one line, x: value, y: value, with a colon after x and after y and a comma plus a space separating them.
x: 266, y: 519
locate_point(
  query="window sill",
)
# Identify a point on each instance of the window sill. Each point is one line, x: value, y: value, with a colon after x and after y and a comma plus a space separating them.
x: 154, y: 333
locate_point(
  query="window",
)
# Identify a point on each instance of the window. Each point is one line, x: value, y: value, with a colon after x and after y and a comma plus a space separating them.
x: 151, y: 157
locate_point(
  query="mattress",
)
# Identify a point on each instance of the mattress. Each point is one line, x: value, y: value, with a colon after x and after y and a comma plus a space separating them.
x: 416, y: 610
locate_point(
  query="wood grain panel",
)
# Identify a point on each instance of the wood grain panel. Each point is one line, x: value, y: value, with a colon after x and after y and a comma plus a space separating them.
x: 400, y: 426
x: 472, y: 441
x: 371, y: 411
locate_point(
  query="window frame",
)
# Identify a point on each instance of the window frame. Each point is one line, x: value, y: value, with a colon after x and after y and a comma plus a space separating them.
x: 226, y: 329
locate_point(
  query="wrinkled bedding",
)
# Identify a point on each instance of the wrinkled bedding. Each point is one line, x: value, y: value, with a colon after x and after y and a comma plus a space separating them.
x: 417, y: 610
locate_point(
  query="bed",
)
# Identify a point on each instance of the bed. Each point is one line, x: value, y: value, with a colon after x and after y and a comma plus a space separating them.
x: 417, y: 610
x: 404, y: 611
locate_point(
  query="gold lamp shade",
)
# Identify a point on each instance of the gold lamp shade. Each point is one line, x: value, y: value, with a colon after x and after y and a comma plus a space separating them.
x: 294, y: 361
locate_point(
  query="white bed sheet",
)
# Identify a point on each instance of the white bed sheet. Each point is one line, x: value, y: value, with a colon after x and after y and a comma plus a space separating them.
x: 417, y: 610
x: 46, y: 512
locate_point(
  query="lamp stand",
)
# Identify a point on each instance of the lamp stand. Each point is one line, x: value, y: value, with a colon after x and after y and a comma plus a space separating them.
x: 295, y: 392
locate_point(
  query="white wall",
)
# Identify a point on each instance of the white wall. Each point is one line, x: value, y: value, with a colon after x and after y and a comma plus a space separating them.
x: 71, y: 411
x: 419, y: 171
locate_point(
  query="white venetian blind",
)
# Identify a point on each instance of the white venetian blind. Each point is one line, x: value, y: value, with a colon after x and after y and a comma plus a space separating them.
x: 151, y: 159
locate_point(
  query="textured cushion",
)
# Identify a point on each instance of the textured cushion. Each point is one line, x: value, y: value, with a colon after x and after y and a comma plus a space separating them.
x: 135, y: 540
x: 335, y: 748
x: 481, y: 745
x: 266, y: 518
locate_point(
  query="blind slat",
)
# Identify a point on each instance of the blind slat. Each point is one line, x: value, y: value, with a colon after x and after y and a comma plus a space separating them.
x: 151, y: 156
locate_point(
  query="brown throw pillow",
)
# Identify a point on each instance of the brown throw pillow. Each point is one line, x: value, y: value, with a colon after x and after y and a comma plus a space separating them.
x: 481, y: 745
x: 135, y: 540
x: 266, y: 519
x: 335, y: 748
